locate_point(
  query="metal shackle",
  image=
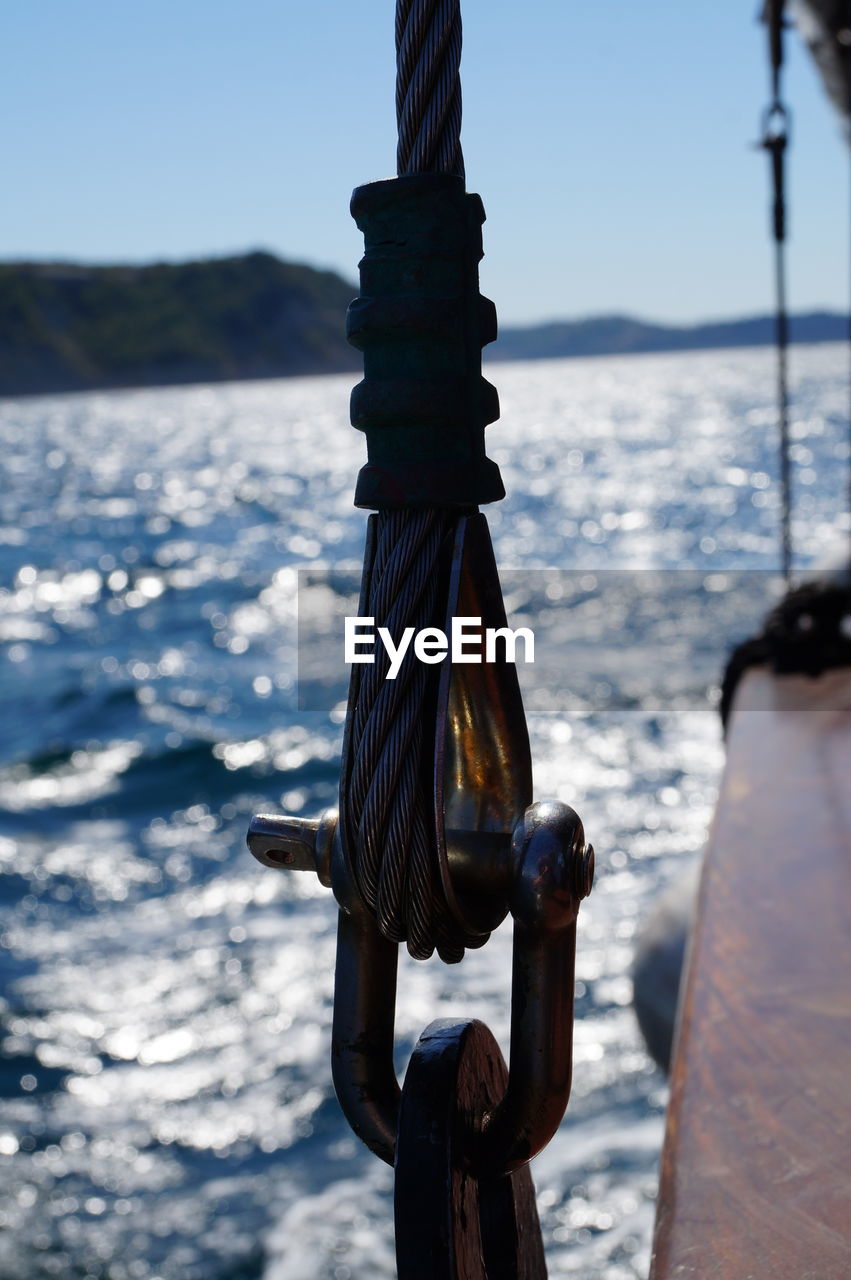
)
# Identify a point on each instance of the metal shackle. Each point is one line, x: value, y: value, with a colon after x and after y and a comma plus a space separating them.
x: 544, y: 870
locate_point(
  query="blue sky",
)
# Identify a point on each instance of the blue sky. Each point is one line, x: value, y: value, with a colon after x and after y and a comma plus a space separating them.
x: 610, y: 142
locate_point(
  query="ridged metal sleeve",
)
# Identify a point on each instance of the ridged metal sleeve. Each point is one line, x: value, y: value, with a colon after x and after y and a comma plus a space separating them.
x: 421, y: 324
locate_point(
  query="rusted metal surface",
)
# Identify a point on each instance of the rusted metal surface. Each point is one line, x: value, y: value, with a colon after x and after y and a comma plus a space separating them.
x: 450, y: 1223
x: 756, y: 1170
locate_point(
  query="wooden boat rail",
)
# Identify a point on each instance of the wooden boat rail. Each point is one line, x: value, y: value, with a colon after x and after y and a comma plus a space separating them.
x: 756, y: 1168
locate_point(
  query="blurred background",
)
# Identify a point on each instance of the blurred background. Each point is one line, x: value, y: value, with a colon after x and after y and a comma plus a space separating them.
x: 175, y: 237
x: 612, y: 145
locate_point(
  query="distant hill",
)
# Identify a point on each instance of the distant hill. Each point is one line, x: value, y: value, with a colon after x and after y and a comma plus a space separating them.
x: 615, y: 335
x: 65, y: 327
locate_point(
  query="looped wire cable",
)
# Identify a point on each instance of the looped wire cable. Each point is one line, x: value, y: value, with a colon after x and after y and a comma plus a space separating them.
x: 395, y: 855
x: 388, y: 805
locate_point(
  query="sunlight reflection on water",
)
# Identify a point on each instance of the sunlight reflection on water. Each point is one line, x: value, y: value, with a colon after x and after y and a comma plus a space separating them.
x: 168, y: 1110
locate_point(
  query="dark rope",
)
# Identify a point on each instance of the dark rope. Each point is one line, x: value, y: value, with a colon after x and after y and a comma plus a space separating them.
x: 389, y: 812
x: 775, y: 141
x: 807, y: 633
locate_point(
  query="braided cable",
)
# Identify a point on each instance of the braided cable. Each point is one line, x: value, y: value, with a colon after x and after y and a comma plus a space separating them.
x: 395, y: 858
x: 394, y: 854
x: 428, y: 86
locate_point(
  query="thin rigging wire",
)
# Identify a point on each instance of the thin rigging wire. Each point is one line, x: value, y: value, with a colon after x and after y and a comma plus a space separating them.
x: 775, y: 141
x: 783, y: 407
x: 848, y: 359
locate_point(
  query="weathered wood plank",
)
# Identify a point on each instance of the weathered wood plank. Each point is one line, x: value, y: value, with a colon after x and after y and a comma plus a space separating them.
x: 756, y: 1169
x: 450, y: 1223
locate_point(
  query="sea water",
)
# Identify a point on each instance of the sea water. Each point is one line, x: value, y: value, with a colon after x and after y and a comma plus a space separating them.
x: 167, y: 1103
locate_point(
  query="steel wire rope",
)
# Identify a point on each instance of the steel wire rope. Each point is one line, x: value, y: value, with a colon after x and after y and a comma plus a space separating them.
x: 390, y: 825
